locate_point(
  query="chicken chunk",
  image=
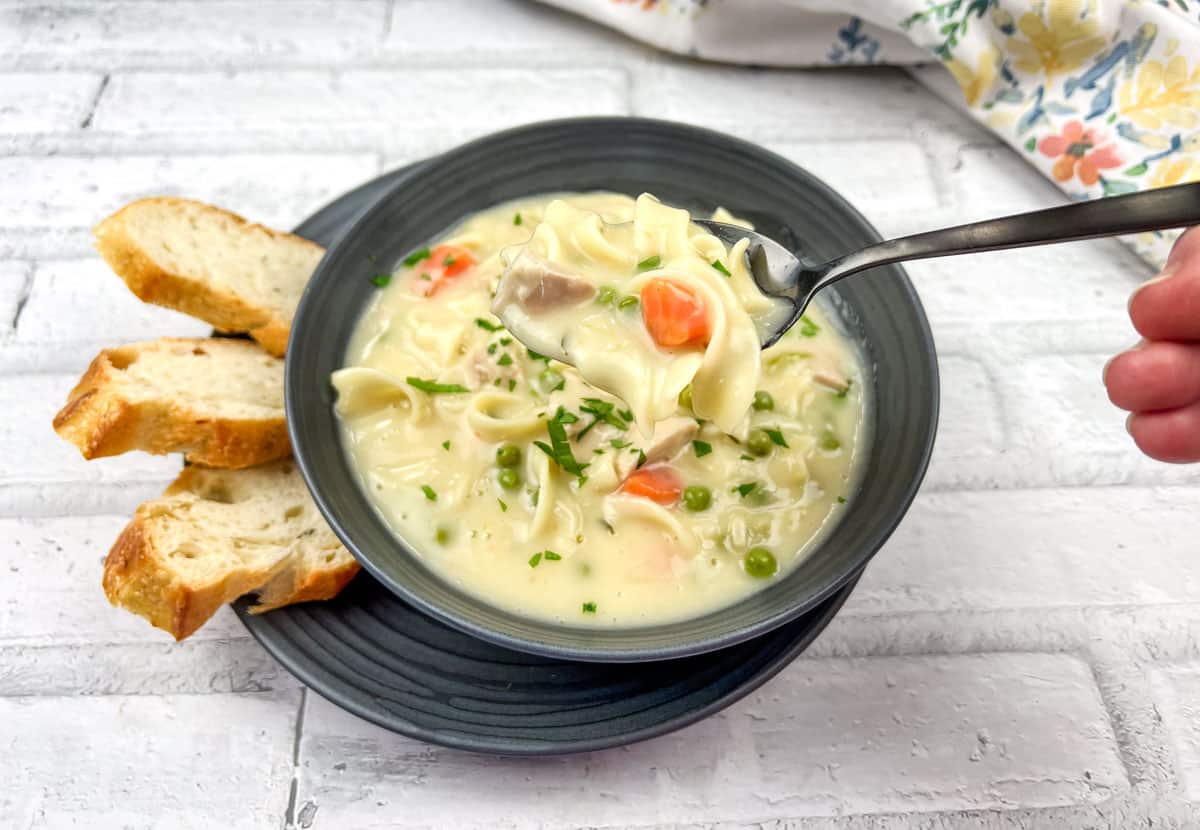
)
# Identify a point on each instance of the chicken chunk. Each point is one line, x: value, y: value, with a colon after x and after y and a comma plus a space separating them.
x: 668, y: 438
x: 538, y: 285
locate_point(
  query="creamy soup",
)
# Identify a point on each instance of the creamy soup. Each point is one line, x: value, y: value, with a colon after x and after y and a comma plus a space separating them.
x: 688, y: 470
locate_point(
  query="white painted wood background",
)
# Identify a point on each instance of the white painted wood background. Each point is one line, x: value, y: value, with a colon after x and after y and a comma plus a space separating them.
x: 1023, y: 654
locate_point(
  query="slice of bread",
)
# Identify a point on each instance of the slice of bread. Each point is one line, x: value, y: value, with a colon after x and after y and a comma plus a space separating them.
x: 218, y: 400
x: 215, y: 535
x: 211, y: 264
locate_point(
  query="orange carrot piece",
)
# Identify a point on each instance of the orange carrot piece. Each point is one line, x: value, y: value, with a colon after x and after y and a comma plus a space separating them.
x: 674, y: 315
x: 659, y: 483
x: 444, y: 263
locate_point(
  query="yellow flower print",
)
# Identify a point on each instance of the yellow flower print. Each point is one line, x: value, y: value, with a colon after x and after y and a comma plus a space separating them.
x: 1178, y: 170
x: 1063, y: 41
x: 1162, y: 94
x: 975, y: 82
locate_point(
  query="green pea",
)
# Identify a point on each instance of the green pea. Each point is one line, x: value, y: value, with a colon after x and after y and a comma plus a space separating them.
x: 627, y: 302
x: 759, y: 442
x: 606, y: 295
x: 829, y: 441
x: 442, y: 535
x: 509, y: 478
x: 508, y: 455
x: 697, y: 497
x: 685, y: 397
x: 760, y: 563
x: 763, y: 401
x: 551, y: 380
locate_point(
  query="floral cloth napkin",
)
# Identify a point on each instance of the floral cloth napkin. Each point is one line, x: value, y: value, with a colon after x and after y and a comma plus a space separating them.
x: 1102, y: 96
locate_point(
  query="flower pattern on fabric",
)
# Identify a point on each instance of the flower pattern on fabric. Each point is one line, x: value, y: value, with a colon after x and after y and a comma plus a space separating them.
x: 1101, y: 96
x: 1079, y: 150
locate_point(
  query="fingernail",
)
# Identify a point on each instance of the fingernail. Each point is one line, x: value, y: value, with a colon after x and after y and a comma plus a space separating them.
x: 1165, y: 274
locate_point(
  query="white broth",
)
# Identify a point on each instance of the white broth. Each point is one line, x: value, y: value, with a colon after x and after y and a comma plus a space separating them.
x: 520, y: 482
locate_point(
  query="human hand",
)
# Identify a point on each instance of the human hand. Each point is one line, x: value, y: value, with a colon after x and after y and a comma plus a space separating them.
x: 1158, y: 381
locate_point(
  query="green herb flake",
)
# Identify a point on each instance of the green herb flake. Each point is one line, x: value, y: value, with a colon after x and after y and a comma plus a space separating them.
x: 535, y: 560
x: 381, y: 280
x: 504, y: 341
x: 589, y: 608
x: 429, y: 492
x: 503, y: 506
x: 776, y: 436
x: 487, y: 325
x: 641, y: 459
x: 416, y: 256
x: 627, y: 414
x: 535, y: 356
x: 512, y: 384
x: 807, y: 327
x: 426, y: 277
x: 746, y: 489
x: 445, y: 445
x: 746, y: 457
x: 720, y: 266
x: 559, y: 448
x: 517, y: 220
x: 702, y: 448
x: 551, y: 556
x: 435, y: 388
x: 649, y: 263
x: 492, y: 348
x: 601, y: 412
x: 842, y: 393
x: 449, y: 260
x: 841, y: 499
x: 619, y: 443
x: 505, y: 359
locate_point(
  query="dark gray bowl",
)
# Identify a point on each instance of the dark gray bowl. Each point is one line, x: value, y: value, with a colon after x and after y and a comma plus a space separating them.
x: 683, y: 165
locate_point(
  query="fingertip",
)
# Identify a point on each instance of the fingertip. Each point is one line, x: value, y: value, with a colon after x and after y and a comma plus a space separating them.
x: 1172, y: 436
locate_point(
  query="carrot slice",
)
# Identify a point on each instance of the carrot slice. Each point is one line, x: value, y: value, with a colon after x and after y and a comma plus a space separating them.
x: 674, y: 315
x: 658, y: 483
x: 444, y: 263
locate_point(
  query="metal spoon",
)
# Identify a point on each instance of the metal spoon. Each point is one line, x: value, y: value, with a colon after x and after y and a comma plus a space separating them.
x: 780, y: 273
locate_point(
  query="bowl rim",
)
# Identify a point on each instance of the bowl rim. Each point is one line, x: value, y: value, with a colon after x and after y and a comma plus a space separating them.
x: 294, y: 379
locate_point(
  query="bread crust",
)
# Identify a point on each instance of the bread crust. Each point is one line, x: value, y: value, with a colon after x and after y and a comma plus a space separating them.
x: 138, y: 575
x: 152, y: 283
x: 101, y: 421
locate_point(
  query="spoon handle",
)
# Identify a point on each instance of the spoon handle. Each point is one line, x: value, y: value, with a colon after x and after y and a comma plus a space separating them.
x: 1168, y: 207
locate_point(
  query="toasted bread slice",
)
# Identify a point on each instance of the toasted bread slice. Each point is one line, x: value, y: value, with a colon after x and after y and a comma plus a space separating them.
x: 215, y: 535
x: 218, y: 400
x: 211, y: 264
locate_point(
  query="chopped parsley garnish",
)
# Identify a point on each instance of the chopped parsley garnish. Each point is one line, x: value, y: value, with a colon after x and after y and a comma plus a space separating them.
x: 807, y: 327
x: 435, y: 388
x: 841, y: 499
x: 416, y: 256
x: 601, y: 412
x: 445, y: 445
x: 487, y: 325
x: 842, y: 393
x: 746, y: 457
x: 504, y: 341
x: 551, y: 556
x: 503, y: 506
x: 565, y: 416
x: 535, y: 560
x: 381, y: 280
x: 619, y: 443
x: 425, y: 277
x: 559, y: 448
x: 517, y: 220
x: 776, y: 436
x: 627, y: 414
x: 720, y: 266
x: 702, y: 448
x: 492, y: 348
x: 429, y: 492
x: 746, y: 489
x: 512, y: 384
x: 589, y: 608
x: 449, y: 260
x: 649, y: 263
x: 535, y: 356
x: 505, y: 359
x: 641, y: 459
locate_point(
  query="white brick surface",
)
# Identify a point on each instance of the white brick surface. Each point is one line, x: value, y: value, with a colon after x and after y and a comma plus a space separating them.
x: 106, y: 34
x: 1023, y: 653
x: 47, y: 205
x: 985, y: 731
x: 36, y: 102
x: 135, y: 761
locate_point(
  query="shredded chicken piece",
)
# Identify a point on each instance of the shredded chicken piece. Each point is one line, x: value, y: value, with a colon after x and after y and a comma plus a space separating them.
x: 538, y: 285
